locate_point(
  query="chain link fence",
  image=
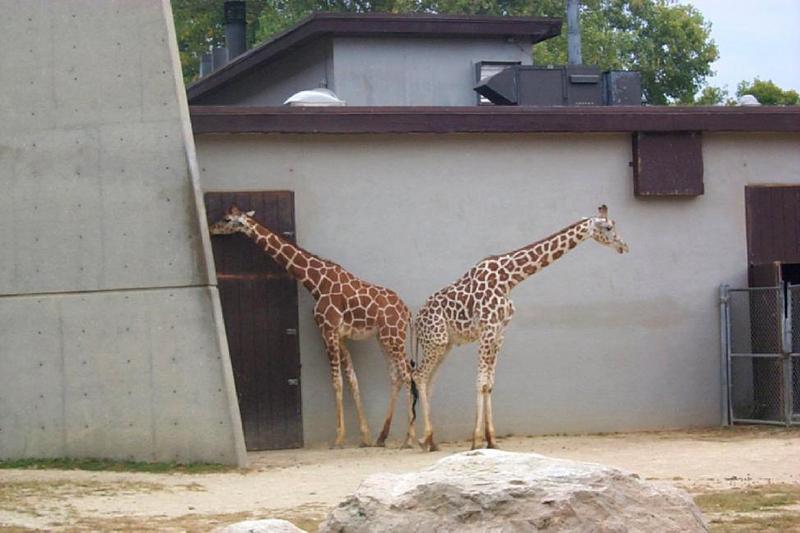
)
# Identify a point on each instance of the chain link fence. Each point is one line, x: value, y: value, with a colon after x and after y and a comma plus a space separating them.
x: 762, y: 354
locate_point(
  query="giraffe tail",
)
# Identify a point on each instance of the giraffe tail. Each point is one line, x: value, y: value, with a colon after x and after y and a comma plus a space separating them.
x: 412, y: 364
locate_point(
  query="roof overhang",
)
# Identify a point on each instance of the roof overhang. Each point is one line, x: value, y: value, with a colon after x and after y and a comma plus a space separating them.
x: 321, y: 25
x: 492, y: 119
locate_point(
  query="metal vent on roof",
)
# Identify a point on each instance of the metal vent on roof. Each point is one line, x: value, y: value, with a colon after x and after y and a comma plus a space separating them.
x: 573, y: 85
x: 314, y: 98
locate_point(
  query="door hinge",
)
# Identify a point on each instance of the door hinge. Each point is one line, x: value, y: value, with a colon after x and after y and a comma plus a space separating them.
x: 293, y: 381
x: 291, y: 331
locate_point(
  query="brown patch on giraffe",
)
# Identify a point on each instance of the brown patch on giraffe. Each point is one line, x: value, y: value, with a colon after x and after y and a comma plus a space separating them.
x: 300, y: 261
x: 324, y: 284
x: 557, y: 254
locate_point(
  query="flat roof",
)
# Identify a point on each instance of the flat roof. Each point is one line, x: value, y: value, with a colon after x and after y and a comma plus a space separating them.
x: 321, y: 25
x: 492, y: 119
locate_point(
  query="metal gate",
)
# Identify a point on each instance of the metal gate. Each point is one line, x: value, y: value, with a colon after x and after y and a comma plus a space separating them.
x: 761, y: 347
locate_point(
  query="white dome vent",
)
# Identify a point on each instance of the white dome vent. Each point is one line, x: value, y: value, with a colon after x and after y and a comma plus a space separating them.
x: 748, y: 99
x: 314, y: 98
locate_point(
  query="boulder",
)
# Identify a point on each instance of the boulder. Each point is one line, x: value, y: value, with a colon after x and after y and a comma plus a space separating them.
x: 491, y: 490
x: 269, y: 525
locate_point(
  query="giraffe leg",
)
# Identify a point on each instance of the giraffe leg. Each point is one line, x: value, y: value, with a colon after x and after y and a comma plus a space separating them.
x: 347, y: 368
x: 490, y: 345
x: 395, y: 353
x: 423, y: 376
x: 489, y: 430
x: 387, y: 423
x: 334, y: 357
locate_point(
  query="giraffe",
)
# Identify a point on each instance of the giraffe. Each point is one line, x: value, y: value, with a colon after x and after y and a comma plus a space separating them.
x: 477, y: 308
x: 346, y: 308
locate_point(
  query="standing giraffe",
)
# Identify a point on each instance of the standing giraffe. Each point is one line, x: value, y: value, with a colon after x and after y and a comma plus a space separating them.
x: 476, y: 307
x: 346, y: 307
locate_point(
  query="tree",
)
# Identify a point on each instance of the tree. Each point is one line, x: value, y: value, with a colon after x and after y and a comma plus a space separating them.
x: 712, y: 96
x: 668, y: 43
x: 767, y: 93
x: 200, y: 26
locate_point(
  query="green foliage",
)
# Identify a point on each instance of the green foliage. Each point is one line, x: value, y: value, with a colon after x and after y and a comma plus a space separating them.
x: 767, y: 93
x: 712, y: 96
x: 116, y: 466
x: 667, y: 42
x: 200, y: 26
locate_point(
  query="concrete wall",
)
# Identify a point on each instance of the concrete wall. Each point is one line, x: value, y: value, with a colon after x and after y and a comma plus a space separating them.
x: 416, y: 71
x: 111, y: 340
x: 600, y: 341
x: 306, y: 68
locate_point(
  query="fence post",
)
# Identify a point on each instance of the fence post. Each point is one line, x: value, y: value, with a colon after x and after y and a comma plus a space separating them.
x: 724, y: 327
x: 788, y: 399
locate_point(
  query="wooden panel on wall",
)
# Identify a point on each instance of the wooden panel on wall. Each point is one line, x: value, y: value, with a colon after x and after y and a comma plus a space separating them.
x: 667, y: 163
x: 259, y: 305
x: 773, y: 223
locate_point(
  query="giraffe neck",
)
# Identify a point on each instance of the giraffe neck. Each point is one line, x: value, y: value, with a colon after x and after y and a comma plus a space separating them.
x: 284, y: 253
x: 528, y: 260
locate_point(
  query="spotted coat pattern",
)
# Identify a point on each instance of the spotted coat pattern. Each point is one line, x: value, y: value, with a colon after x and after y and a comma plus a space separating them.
x: 346, y: 308
x: 477, y: 308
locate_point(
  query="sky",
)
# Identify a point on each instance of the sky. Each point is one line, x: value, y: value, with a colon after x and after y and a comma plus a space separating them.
x: 755, y: 38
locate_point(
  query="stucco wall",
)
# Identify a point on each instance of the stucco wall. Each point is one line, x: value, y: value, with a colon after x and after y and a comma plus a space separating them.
x: 416, y: 71
x: 111, y: 340
x: 600, y: 341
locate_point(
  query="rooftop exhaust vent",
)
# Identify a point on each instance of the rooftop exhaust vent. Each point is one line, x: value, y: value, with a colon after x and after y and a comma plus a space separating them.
x: 320, y: 97
x: 559, y: 85
x: 748, y: 99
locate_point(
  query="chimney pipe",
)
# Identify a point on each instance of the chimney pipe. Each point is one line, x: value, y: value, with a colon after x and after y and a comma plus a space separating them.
x: 235, y: 27
x: 573, y: 33
x: 206, y: 65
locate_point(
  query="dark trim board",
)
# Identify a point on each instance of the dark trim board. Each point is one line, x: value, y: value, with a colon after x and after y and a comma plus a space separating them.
x: 321, y: 25
x: 492, y: 119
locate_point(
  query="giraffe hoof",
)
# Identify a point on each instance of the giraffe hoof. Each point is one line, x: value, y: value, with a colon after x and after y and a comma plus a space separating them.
x: 434, y: 448
x: 492, y: 446
x: 406, y: 446
x: 380, y: 444
x: 366, y: 444
x: 336, y: 446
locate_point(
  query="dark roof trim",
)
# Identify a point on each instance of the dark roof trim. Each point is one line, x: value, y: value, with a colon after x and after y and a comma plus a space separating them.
x: 488, y: 119
x: 371, y: 24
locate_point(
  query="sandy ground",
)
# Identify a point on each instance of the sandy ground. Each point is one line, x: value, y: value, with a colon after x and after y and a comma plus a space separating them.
x: 303, y: 485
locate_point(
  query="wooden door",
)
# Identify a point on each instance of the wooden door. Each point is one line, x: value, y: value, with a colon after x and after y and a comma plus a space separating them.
x: 773, y: 246
x: 773, y: 224
x: 259, y: 305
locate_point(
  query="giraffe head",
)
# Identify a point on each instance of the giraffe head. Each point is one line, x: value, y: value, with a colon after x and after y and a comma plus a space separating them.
x: 232, y: 222
x: 604, y: 232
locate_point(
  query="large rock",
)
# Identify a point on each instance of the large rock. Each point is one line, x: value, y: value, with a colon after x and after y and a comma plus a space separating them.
x: 269, y: 525
x: 490, y: 490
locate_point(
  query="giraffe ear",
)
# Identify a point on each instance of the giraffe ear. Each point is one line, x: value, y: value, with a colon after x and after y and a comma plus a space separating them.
x: 250, y: 213
x: 603, y: 210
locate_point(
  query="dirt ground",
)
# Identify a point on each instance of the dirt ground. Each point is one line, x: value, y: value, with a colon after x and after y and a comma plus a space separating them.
x: 303, y: 485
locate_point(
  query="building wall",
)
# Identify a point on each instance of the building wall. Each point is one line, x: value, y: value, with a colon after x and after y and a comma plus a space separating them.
x: 306, y: 68
x: 599, y: 342
x: 111, y: 339
x: 387, y: 71
x: 404, y: 71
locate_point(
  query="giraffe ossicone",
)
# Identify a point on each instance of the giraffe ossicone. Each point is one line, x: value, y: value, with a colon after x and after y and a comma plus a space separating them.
x: 477, y: 308
x: 346, y: 308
